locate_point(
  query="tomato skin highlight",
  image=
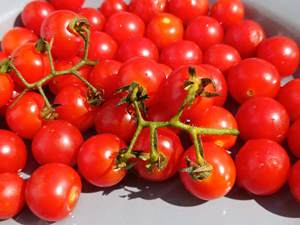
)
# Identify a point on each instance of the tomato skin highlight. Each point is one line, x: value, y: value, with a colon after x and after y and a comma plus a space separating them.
x: 294, y: 181
x: 110, y: 7
x: 96, y: 18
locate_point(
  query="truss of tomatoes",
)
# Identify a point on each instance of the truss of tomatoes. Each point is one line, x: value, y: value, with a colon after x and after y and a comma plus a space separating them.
x: 154, y: 44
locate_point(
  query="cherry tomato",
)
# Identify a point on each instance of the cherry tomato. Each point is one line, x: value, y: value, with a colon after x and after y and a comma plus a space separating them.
x: 13, y: 153
x: 164, y: 29
x: 96, y: 18
x: 262, y: 117
x: 165, y: 69
x: 124, y: 25
x: 187, y: 10
x: 109, y: 7
x: 2, y: 56
x: 181, y: 53
x: 169, y: 145
x: 105, y: 77
x: 25, y: 118
x: 228, y: 12
x: 11, y: 195
x: 289, y: 97
x: 222, y: 56
x: 74, y: 107
x: 52, y: 191
x: 57, y: 142
x: 66, y: 43
x: 294, y: 181
x: 6, y: 89
x: 73, y: 5
x: 222, y: 178
x: 31, y: 63
x: 253, y: 77
x: 282, y: 52
x: 114, y: 119
x: 4, y: 108
x: 102, y: 46
x: 97, y: 160
x: 263, y: 166
x: 245, y: 37
x: 138, y: 46
x: 146, y: 9
x: 204, y: 31
x: 293, y: 138
x: 34, y: 14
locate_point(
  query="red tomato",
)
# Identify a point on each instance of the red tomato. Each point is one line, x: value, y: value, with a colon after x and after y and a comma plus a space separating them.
x: 169, y: 145
x: 2, y: 56
x: 245, y: 37
x: 74, y: 107
x: 11, y: 195
x: 294, y: 181
x: 25, y: 117
x: 117, y: 120
x: 289, y: 97
x: 253, y: 77
x: 164, y: 29
x: 282, y: 52
x: 165, y: 69
x: 293, y: 138
x: 262, y: 166
x: 222, y: 178
x: 31, y: 63
x: 52, y: 191
x: 138, y: 46
x: 97, y: 160
x: 262, y: 117
x: 204, y: 31
x: 66, y: 43
x: 57, y: 142
x: 146, y: 9
x: 6, y: 89
x: 181, y: 53
x: 222, y: 56
x: 123, y: 26
x: 187, y: 10
x: 4, y: 108
x: 34, y: 14
x: 228, y: 12
x: 109, y: 7
x: 13, y: 153
x: 105, y: 77
x: 96, y: 18
x: 73, y: 5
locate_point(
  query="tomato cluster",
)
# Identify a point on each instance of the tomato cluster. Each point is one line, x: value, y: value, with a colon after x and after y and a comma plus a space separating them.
x: 139, y: 74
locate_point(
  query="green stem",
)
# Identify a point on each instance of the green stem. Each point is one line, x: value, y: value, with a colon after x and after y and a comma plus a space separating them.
x: 85, y: 81
x: 19, y: 75
x: 198, y: 148
x: 47, y: 103
x: 153, y: 144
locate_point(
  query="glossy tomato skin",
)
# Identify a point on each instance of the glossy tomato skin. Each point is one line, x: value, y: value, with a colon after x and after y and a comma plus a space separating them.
x: 289, y: 97
x: 13, y: 153
x: 164, y: 29
x: 181, y: 53
x: 165, y: 69
x: 52, y: 191
x: 282, y: 52
x: 6, y: 89
x: 222, y: 178
x: 73, y: 5
x: 263, y: 166
x: 34, y: 14
x: 66, y: 44
x: 253, y: 77
x: 146, y: 9
x: 57, y: 142
x: 97, y: 159
x: 123, y: 26
x: 15, y: 38
x: 104, y: 77
x: 228, y: 12
x: 31, y: 63
x: 245, y: 37
x: 137, y: 47
x: 222, y: 56
x: 74, y: 107
x: 109, y: 7
x: 187, y: 10
x: 169, y: 145
x: 11, y: 195
x: 294, y: 181
x: 293, y: 138
x: 95, y: 17
x: 262, y: 117
x: 204, y: 31
x: 24, y: 118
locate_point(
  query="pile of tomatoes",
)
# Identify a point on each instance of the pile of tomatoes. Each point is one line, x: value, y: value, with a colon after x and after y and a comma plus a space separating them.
x: 154, y: 43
